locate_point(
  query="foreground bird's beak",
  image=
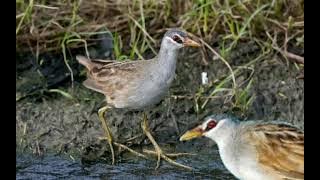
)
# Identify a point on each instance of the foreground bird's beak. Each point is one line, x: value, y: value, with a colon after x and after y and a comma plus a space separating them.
x: 189, y: 42
x: 193, y: 133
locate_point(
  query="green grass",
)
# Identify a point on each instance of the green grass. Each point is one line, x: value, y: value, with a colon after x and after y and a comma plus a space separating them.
x: 143, y: 20
x: 136, y: 26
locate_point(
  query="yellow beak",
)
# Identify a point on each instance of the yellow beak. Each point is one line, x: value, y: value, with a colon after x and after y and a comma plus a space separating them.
x: 189, y: 42
x: 193, y: 133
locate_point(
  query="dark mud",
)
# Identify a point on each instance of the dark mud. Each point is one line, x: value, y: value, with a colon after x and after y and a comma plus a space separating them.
x: 51, y: 123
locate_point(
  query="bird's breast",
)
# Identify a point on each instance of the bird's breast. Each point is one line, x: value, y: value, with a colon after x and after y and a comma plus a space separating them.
x: 148, y: 92
x: 239, y: 158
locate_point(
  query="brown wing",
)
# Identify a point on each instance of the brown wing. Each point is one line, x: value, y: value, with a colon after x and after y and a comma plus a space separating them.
x: 91, y: 84
x: 280, y: 149
x: 106, y: 76
x: 90, y: 63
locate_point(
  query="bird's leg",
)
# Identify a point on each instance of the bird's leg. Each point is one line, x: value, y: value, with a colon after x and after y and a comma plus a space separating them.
x: 108, y: 135
x: 158, y: 150
x: 106, y: 128
x: 168, y: 154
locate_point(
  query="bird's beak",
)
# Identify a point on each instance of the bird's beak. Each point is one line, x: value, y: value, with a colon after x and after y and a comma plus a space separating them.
x: 193, y: 133
x: 189, y: 42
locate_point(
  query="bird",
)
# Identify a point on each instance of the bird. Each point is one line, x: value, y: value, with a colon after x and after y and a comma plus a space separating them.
x: 255, y: 149
x: 136, y: 84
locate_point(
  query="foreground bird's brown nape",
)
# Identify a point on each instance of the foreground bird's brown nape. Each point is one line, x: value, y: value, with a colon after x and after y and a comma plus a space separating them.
x: 255, y: 149
x: 137, y: 84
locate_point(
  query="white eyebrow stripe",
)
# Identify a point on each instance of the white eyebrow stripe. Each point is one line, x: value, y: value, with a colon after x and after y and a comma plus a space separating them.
x: 181, y: 38
x: 172, y: 40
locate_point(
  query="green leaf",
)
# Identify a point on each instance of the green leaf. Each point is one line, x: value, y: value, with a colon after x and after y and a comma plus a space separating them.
x: 63, y: 93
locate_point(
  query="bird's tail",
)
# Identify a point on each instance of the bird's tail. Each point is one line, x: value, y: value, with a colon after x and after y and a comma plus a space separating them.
x: 85, y: 61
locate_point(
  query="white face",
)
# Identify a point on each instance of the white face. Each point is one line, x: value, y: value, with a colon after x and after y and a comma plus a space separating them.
x: 176, y: 42
x: 211, y: 126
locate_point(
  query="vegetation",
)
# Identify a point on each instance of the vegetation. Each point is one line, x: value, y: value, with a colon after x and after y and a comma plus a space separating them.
x: 61, y: 26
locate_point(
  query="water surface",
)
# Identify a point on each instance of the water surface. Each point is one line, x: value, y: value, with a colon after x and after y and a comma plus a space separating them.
x: 207, y: 165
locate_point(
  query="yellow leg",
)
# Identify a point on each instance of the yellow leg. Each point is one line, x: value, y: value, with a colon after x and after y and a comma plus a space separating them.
x: 108, y: 135
x: 107, y: 131
x: 158, y: 150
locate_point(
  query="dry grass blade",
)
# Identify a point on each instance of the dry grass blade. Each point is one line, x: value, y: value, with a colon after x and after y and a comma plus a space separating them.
x: 294, y: 57
x: 46, y: 7
x: 142, y: 29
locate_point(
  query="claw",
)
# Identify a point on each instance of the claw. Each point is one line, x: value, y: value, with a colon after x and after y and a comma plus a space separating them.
x: 158, y: 150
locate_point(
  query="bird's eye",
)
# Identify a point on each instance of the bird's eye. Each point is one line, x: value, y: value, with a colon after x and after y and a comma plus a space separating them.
x: 177, y: 39
x: 211, y: 125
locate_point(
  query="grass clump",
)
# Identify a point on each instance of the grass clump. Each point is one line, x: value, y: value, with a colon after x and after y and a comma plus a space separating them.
x: 136, y: 26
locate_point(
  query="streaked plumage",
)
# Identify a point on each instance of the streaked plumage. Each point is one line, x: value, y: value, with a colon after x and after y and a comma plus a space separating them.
x: 256, y: 149
x: 136, y: 84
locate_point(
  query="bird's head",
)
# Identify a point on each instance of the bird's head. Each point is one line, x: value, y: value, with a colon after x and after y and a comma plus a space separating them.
x: 176, y: 39
x: 211, y: 128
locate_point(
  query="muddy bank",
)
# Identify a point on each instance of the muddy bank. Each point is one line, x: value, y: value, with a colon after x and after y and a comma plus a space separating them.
x: 51, y: 122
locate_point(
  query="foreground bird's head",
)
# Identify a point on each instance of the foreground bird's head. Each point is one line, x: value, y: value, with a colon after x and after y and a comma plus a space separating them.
x: 176, y: 39
x: 212, y: 127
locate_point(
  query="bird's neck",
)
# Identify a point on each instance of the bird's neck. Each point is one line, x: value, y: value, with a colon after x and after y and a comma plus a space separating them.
x: 225, y: 134
x: 226, y: 145
x: 167, y: 57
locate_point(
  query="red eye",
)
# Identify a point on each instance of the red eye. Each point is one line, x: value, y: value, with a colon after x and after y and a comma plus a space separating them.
x: 177, y: 39
x: 211, y: 125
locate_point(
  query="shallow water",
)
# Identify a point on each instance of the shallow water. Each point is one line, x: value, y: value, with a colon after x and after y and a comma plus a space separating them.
x: 207, y: 165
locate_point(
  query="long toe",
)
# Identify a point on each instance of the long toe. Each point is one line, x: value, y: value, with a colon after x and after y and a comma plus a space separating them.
x: 169, y: 160
x: 130, y: 150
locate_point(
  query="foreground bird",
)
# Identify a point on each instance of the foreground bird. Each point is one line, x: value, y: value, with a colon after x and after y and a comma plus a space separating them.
x: 253, y: 150
x: 136, y: 85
